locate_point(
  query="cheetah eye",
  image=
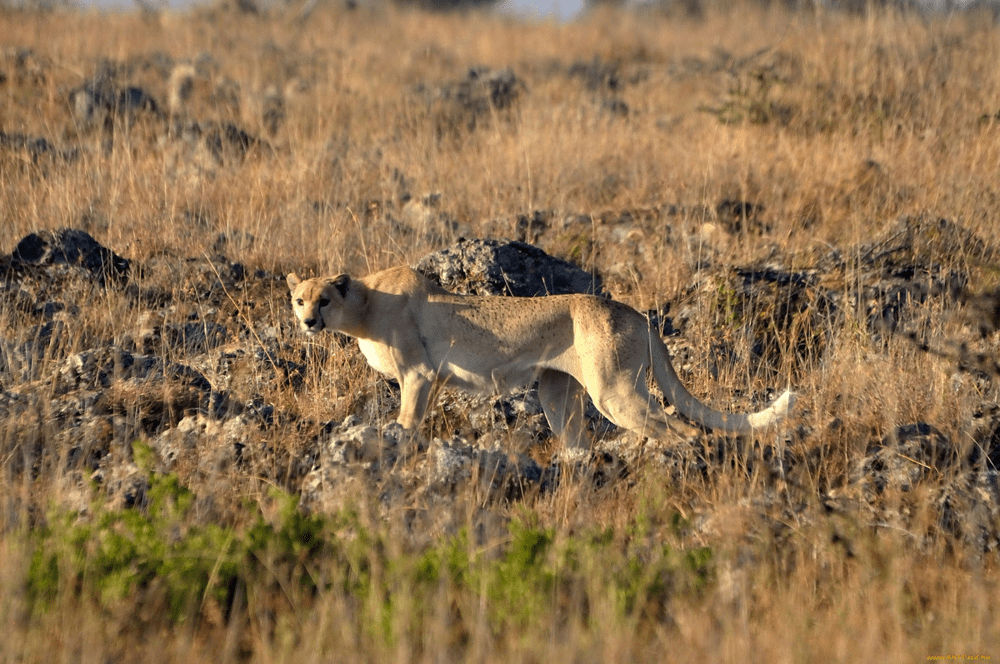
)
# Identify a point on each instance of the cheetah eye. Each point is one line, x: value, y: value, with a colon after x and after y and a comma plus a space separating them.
x: 299, y: 302
x: 323, y: 302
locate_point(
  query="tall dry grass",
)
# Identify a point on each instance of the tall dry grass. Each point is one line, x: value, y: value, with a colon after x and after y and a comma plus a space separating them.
x: 834, y: 124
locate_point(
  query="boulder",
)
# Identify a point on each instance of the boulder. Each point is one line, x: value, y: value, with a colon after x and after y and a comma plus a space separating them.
x: 505, y: 267
x: 74, y: 247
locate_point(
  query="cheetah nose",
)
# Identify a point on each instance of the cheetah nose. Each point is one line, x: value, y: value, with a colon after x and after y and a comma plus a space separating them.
x: 309, y: 322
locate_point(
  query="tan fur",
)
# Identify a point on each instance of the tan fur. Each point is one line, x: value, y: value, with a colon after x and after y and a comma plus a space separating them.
x: 573, y: 345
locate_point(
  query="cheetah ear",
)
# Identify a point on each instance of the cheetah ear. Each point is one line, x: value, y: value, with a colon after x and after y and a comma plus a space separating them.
x: 341, y: 283
x: 293, y: 280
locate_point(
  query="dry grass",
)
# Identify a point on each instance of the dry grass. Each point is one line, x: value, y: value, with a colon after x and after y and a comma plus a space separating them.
x: 835, y: 125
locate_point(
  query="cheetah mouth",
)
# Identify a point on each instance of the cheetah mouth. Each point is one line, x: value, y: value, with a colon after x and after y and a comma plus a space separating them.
x: 314, y: 330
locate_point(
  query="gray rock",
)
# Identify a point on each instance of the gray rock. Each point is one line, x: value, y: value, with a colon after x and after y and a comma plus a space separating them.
x: 368, y: 446
x: 216, y: 445
x: 158, y: 393
x: 13, y: 404
x: 197, y: 337
x: 26, y: 360
x: 474, y: 99
x: 70, y: 246
x: 226, y: 142
x: 776, y: 308
x: 101, y: 102
x: 97, y: 367
x: 515, y: 418
x: 74, y: 494
x: 503, y: 267
x: 904, y: 458
x: 233, y: 240
x: 267, y: 364
x: 452, y: 465
x: 964, y: 498
x: 356, y: 457
x: 969, y: 510
x: 35, y: 147
x: 124, y: 483
x: 597, y: 74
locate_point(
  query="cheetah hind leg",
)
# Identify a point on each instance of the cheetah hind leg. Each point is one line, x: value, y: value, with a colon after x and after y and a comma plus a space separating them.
x: 563, y: 401
x: 634, y: 408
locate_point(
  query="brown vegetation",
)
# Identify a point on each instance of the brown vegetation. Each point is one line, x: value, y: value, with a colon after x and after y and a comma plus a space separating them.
x: 810, y: 198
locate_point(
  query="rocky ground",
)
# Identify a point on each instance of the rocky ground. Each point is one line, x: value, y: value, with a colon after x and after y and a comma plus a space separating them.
x: 197, y: 379
x: 196, y: 354
x: 797, y: 198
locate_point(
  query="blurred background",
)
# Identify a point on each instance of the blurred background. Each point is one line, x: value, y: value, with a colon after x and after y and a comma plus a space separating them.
x: 532, y: 10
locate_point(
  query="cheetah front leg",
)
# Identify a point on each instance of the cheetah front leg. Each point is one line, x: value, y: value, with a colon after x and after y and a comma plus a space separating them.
x: 416, y: 391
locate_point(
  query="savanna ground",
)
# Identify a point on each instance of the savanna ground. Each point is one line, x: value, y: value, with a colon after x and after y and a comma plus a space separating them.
x: 659, y: 150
